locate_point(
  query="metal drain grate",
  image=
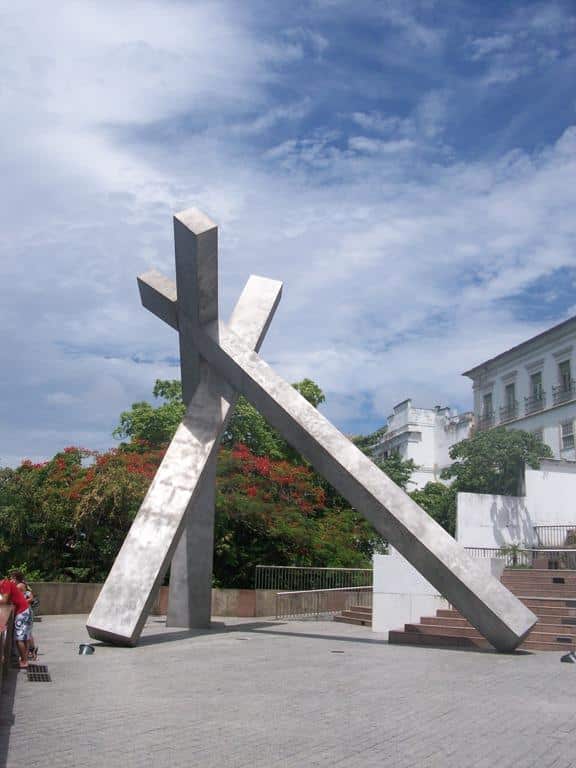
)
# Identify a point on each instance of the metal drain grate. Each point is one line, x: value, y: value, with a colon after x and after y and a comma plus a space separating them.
x: 38, y: 673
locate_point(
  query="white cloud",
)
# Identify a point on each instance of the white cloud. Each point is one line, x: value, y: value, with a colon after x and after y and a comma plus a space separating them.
x: 376, y: 146
x: 393, y: 265
x: 484, y: 46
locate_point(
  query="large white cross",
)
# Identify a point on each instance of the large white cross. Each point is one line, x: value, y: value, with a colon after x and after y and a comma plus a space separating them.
x: 219, y: 362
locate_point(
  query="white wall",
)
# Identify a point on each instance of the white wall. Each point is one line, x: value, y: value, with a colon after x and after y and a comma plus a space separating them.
x: 424, y: 435
x: 551, y: 493
x: 483, y: 520
x: 400, y: 595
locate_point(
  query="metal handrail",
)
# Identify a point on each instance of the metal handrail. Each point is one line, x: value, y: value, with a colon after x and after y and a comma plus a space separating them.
x: 509, y: 412
x: 486, y: 421
x: 564, y: 392
x: 536, y: 402
x: 300, y: 604
x: 295, y: 577
x: 525, y: 556
x: 555, y: 534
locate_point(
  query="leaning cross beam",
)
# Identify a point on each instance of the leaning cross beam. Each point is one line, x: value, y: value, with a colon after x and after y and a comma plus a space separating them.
x: 484, y: 601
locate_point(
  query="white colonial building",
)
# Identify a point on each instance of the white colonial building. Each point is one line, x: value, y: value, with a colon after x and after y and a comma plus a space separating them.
x: 424, y: 435
x: 531, y: 387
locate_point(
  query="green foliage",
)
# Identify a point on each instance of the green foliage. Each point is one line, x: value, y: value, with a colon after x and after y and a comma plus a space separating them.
x: 66, y: 520
x: 31, y: 575
x: 275, y: 512
x: 68, y: 517
x: 439, y: 501
x: 494, y: 461
x: 149, y: 425
x: 248, y: 427
x: 368, y: 443
x: 310, y: 391
x: 398, y: 469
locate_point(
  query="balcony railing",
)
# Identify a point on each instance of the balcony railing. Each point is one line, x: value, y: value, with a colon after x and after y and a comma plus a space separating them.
x: 509, y: 412
x: 523, y: 557
x: 535, y: 403
x: 485, y: 421
x: 555, y: 535
x: 564, y: 392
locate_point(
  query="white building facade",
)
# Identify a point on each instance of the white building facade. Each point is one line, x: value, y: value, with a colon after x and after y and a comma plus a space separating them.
x: 530, y: 387
x: 424, y: 435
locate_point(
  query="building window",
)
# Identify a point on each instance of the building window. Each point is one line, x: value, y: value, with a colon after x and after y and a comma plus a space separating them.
x: 567, y: 432
x: 510, y: 395
x: 564, y: 375
x: 565, y: 389
x: 538, y: 434
x: 486, y: 417
x: 536, y: 385
x: 537, y: 399
x: 509, y: 410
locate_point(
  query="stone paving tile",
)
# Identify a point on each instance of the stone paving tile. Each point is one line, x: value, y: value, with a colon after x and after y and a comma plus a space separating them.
x: 253, y: 694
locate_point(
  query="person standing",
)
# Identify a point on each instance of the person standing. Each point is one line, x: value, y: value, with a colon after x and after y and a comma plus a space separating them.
x: 9, y: 593
x: 18, y: 578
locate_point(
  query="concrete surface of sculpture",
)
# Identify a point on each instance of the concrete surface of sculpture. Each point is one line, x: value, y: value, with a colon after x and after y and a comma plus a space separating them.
x: 219, y: 362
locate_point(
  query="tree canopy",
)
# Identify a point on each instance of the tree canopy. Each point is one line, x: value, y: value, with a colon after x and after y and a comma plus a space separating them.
x: 493, y: 461
x: 154, y: 426
x: 66, y: 518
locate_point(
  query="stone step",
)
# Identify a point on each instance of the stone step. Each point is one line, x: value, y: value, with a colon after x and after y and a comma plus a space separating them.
x: 536, y: 635
x: 539, y: 602
x: 561, y: 581
x: 360, y: 609
x: 400, y: 637
x: 539, y: 571
x: 514, y: 584
x: 349, y: 617
x: 529, y: 590
x: 547, y: 626
x: 554, y: 614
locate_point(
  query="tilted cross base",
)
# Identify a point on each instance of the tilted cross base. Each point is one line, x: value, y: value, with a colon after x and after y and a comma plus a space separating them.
x: 227, y: 355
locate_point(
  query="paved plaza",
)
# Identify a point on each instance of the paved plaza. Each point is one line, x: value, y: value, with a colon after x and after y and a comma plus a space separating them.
x: 263, y: 693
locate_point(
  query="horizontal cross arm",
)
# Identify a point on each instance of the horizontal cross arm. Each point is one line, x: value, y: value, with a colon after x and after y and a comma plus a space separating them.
x: 158, y: 295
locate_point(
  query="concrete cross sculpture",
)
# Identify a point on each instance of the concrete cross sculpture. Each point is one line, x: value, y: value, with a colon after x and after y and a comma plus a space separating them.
x: 176, y: 519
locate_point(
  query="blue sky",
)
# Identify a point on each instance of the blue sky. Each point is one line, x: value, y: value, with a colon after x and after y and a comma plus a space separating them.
x: 407, y: 169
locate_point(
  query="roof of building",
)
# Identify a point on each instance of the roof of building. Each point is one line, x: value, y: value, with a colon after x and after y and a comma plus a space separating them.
x: 519, y: 347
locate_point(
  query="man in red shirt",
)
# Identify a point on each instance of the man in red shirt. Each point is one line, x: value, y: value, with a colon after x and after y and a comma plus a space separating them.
x: 9, y: 593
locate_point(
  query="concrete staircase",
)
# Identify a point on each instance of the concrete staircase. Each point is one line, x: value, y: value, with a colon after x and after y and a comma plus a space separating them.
x: 550, y: 594
x: 356, y: 615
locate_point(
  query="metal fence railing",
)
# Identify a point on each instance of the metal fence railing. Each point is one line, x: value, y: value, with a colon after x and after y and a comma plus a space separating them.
x: 315, y: 603
x: 556, y: 536
x: 520, y: 557
x: 296, y: 578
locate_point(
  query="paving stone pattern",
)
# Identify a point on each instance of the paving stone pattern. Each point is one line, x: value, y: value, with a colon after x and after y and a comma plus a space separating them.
x: 262, y: 694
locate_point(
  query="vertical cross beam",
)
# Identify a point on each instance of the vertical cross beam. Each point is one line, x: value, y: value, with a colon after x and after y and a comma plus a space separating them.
x: 196, y: 253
